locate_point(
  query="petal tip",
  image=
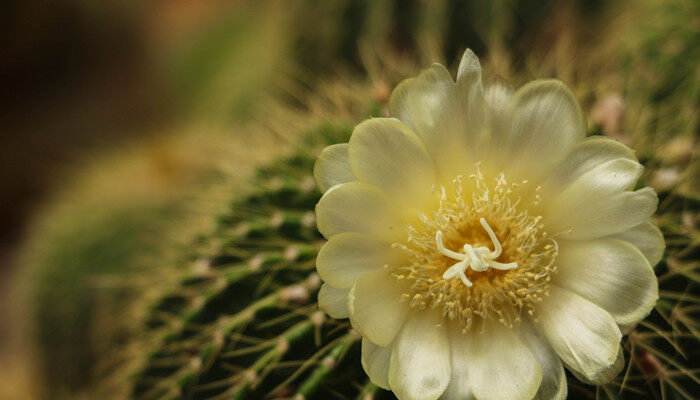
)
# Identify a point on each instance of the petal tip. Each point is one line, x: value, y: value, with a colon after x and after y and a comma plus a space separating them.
x: 469, y: 66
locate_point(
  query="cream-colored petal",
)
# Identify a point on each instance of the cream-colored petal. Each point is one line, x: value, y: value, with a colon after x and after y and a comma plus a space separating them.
x: 333, y: 301
x: 420, y: 101
x: 420, y: 359
x: 501, y: 366
x: 606, y: 375
x: 469, y: 70
x: 498, y: 93
x: 332, y: 167
x: 375, y: 361
x: 375, y: 307
x: 598, y: 203
x: 582, y: 334
x: 627, y: 328
x: 583, y: 157
x: 358, y: 207
x: 473, y: 109
x: 347, y: 256
x: 647, y: 238
x: 449, y: 117
x: 610, y: 273
x: 545, y: 122
x: 553, y: 386
x: 386, y: 153
x: 459, y: 388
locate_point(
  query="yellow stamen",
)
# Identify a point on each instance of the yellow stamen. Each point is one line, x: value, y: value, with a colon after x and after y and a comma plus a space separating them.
x: 499, y: 284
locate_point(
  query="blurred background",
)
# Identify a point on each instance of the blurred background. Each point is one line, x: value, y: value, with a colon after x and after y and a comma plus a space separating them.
x: 116, y: 112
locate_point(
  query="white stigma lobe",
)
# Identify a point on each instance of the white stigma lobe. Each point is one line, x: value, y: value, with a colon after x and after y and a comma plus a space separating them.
x: 478, y: 259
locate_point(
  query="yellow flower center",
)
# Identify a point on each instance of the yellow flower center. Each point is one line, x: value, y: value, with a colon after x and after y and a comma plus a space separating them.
x: 479, y: 259
x: 504, y: 256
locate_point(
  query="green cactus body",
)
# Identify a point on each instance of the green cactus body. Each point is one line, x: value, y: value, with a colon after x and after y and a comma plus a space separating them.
x: 242, y: 323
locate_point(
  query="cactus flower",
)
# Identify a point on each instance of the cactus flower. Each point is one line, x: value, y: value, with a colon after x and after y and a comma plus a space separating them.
x: 480, y: 243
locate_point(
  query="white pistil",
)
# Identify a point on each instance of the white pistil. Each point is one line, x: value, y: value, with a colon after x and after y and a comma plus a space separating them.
x: 478, y: 259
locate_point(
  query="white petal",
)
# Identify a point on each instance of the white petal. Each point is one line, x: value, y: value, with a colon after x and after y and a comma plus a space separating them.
x: 469, y: 68
x: 546, y: 121
x: 610, y: 273
x: 449, y: 117
x: 347, y: 256
x: 583, y: 157
x: 598, y: 204
x: 375, y: 307
x: 459, y: 388
x: 606, y: 375
x: 333, y: 301
x: 582, y: 334
x: 357, y: 207
x: 501, y: 366
x: 386, y: 153
x: 553, y: 386
x: 375, y: 361
x: 625, y: 329
x: 498, y: 93
x: 647, y: 238
x: 420, y: 101
x: 473, y: 108
x: 420, y: 358
x: 332, y: 167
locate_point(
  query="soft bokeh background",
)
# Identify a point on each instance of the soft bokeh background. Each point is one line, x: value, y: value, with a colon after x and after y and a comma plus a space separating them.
x: 116, y: 112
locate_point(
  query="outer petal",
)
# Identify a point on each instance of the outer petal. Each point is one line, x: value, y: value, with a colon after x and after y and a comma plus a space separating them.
x: 546, y: 121
x: 553, y: 386
x: 473, y: 108
x: 498, y: 93
x: 333, y: 301
x: 375, y: 308
x: 449, y: 117
x: 625, y: 329
x: 610, y: 273
x: 501, y: 366
x: 582, y: 334
x: 421, y: 101
x: 375, y: 361
x: 347, y: 256
x: 583, y: 157
x: 605, y: 375
x: 357, y: 207
x: 459, y: 388
x: 420, y: 358
x: 386, y: 153
x: 598, y: 203
x: 332, y: 167
x: 647, y: 238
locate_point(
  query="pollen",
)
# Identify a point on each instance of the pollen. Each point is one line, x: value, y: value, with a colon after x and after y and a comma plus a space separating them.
x: 504, y: 256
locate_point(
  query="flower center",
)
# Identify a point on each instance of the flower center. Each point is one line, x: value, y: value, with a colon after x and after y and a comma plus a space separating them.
x: 504, y: 257
x: 478, y: 259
